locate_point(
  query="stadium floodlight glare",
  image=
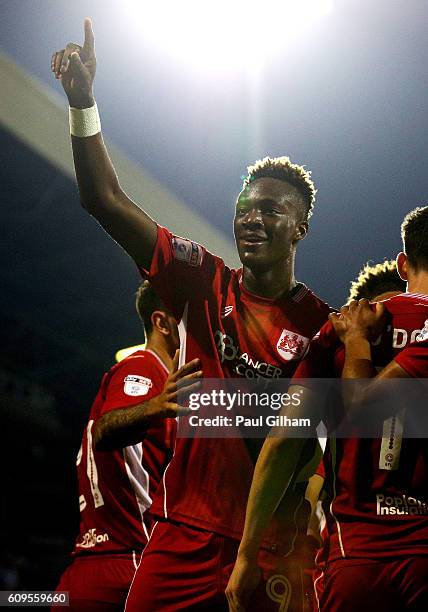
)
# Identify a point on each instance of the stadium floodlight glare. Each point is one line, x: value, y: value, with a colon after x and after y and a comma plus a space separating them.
x: 224, y: 33
x: 125, y: 352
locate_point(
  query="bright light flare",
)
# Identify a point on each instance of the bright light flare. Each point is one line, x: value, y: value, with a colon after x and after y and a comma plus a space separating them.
x: 225, y: 33
x: 125, y: 352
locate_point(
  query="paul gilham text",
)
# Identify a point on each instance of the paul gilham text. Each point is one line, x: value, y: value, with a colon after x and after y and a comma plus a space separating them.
x: 271, y: 420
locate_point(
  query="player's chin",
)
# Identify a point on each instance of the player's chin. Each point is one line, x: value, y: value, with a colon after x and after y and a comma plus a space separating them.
x: 253, y: 260
x: 255, y: 253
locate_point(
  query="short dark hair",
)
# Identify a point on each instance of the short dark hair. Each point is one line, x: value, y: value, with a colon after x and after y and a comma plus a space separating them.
x: 146, y: 302
x: 283, y: 169
x: 414, y: 233
x: 375, y: 279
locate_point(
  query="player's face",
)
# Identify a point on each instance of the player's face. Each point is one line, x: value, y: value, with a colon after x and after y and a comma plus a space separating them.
x: 269, y: 220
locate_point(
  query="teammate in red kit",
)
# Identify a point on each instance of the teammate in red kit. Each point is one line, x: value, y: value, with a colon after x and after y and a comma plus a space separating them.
x: 371, y: 557
x: 254, y: 323
x: 376, y: 282
x: 116, y: 488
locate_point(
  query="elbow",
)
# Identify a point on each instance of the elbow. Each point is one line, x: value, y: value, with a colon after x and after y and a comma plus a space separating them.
x: 98, y: 200
x: 97, y: 204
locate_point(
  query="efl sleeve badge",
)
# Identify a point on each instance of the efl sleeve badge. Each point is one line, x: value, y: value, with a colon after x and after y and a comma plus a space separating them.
x: 187, y: 251
x: 137, y: 385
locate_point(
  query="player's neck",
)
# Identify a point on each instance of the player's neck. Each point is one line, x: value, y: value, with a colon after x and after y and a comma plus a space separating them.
x: 418, y: 282
x: 271, y: 283
x: 158, y: 346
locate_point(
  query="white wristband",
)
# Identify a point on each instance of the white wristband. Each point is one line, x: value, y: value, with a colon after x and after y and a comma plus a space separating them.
x: 84, y: 122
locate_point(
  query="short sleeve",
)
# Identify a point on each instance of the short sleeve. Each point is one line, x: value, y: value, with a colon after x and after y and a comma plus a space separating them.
x: 319, y: 360
x: 133, y: 381
x: 179, y: 266
x: 414, y: 359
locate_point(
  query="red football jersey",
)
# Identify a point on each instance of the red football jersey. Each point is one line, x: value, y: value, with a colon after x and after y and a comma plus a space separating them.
x: 378, y: 502
x: 235, y: 334
x: 116, y: 487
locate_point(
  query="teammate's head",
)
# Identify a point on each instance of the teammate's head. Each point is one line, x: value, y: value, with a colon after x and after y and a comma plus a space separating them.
x: 414, y: 233
x: 156, y: 319
x: 377, y: 282
x: 272, y: 211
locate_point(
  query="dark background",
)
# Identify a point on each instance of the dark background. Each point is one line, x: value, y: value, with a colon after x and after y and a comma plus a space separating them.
x: 348, y: 99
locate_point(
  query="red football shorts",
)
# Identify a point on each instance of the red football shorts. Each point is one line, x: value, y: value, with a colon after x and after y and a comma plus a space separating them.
x: 183, y: 568
x: 98, y: 583
x: 352, y: 585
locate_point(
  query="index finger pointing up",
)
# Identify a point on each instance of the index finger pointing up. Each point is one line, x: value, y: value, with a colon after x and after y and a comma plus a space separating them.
x: 88, y: 45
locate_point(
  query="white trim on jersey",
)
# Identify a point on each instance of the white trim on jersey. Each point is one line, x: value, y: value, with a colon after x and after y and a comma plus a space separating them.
x: 322, y: 435
x: 339, y: 529
x: 411, y: 295
x: 182, y: 332
x: 134, y: 559
x: 82, y: 503
x: 158, y: 358
x: 138, y: 565
x: 300, y: 294
x: 315, y: 590
x: 91, y: 468
x: 138, y: 478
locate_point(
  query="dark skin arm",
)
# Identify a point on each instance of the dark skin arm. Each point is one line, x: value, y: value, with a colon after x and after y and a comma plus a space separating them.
x: 274, y: 470
x: 126, y: 426
x: 100, y: 192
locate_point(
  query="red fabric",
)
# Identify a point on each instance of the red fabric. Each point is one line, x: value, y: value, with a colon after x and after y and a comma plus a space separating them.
x: 235, y: 334
x: 356, y: 584
x: 320, y: 471
x: 356, y: 527
x: 98, y: 584
x: 414, y: 359
x: 115, y: 488
x: 183, y: 568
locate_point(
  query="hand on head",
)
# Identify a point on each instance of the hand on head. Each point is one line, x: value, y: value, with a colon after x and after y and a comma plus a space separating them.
x: 359, y: 319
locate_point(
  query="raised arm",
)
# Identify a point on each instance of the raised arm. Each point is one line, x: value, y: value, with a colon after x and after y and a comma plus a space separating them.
x: 100, y: 191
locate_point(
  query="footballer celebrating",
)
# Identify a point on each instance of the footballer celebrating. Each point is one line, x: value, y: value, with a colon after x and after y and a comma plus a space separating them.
x: 255, y: 322
x: 131, y: 417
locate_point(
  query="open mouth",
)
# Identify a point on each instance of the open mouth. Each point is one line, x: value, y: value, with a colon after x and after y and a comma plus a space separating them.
x: 252, y: 240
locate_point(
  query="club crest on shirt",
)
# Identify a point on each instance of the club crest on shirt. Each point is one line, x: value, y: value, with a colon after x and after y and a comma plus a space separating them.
x: 291, y: 345
x: 187, y: 251
x: 136, y: 385
x: 423, y: 335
